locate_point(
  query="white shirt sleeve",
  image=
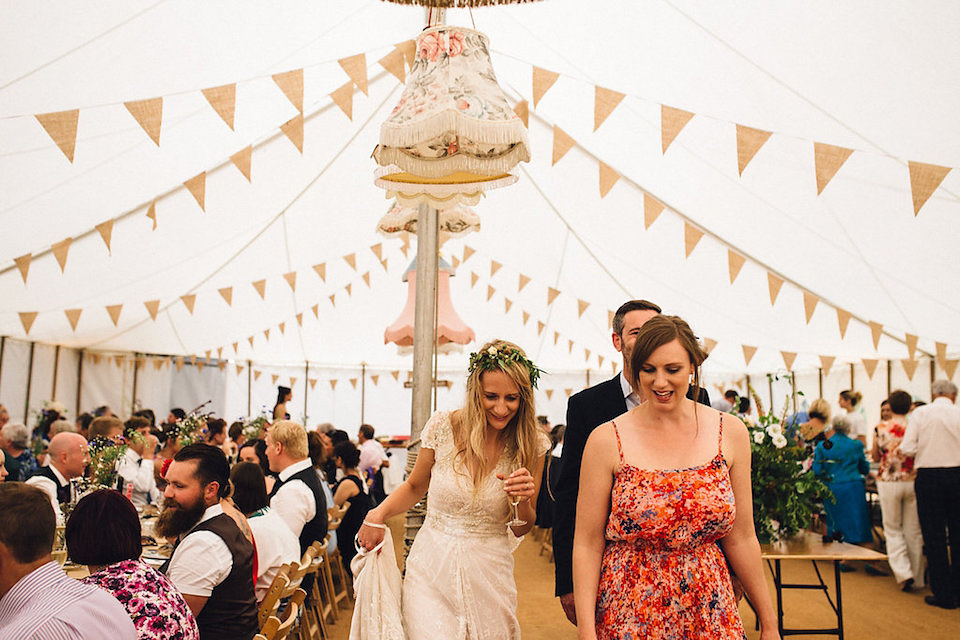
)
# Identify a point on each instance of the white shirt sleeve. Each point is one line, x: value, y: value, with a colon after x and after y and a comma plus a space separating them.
x: 910, y: 443
x: 50, y: 488
x: 141, y: 475
x: 201, y: 562
x: 295, y: 505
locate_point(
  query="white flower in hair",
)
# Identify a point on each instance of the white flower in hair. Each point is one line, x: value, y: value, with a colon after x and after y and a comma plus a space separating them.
x: 492, y: 351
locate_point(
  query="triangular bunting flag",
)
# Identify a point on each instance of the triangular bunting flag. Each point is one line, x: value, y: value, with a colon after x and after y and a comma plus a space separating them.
x: 911, y: 344
x: 569, y: 346
x: 343, y: 98
x: 568, y: 391
x: 149, y: 114
x: 396, y: 375
x: 23, y: 264
x: 788, y: 359
x: 828, y: 159
x: 652, y: 208
x: 366, y: 278
x: 219, y: 353
x: 119, y: 361
x: 522, y: 282
x: 494, y: 267
x: 179, y: 362
x: 941, y: 353
x: 62, y: 127
x: 749, y: 141
x: 774, y: 283
x: 234, y: 345
x: 158, y: 363
x: 73, y: 317
x: 333, y: 383
x: 374, y: 378
x: 274, y: 378
x: 60, y: 251
x: 870, y: 364
x: 242, y: 160
x: 748, y: 354
x: 291, y: 279
x: 377, y: 250
x: 549, y: 393
x: 256, y: 374
x: 223, y: 99
x: 333, y: 299
x: 383, y: 263
x: 473, y: 279
x: 581, y: 307
x: 586, y: 354
x: 189, y: 300
x: 950, y: 368
x: 348, y: 288
x: 552, y: 295
x: 610, y: 316
x: 266, y: 334
x: 250, y: 340
x: 691, y: 236
x: 313, y: 383
x: 672, y: 122
x: 613, y: 366
x: 562, y: 143
x: 299, y: 317
x: 608, y: 178
x: 291, y: 83
x: 227, y: 294
x: 709, y: 344
x: 293, y: 129
x: 735, y: 262
x: 604, y: 102
x: 106, y: 232
x: 353, y: 382
x: 522, y: 109
x: 826, y: 362
x: 467, y: 252
x: 351, y: 259
x: 114, y: 311
x: 876, y: 329
x: 153, y: 307
x: 843, y: 319
x: 507, y: 303
x: 282, y: 326
x: 197, y: 186
x: 540, y: 327
x: 456, y: 261
x: 316, y: 311
x: 221, y: 364
x: 321, y: 270
x: 152, y: 214
x: 600, y: 360
x: 393, y: 63
x: 542, y: 81
x: 490, y: 292
x: 261, y: 287
x: 526, y: 317
x: 556, y: 337
x: 809, y: 304
x: 356, y: 68
x: 409, y: 50
x: 924, y: 180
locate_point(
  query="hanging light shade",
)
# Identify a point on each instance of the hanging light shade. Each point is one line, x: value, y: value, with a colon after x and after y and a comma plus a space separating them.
x: 454, y: 4
x: 450, y: 328
x: 453, y: 124
x: 453, y: 222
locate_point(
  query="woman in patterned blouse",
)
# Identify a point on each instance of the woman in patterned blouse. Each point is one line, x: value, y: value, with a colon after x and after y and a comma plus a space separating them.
x: 103, y: 532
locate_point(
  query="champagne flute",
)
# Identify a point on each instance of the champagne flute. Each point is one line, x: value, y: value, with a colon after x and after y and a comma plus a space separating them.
x: 515, y: 502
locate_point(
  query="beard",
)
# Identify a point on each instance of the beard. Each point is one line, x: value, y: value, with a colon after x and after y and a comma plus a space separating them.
x: 176, y: 518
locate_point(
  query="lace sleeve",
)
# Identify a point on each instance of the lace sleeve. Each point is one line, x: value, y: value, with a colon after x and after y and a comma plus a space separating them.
x: 435, y: 430
x: 543, y: 444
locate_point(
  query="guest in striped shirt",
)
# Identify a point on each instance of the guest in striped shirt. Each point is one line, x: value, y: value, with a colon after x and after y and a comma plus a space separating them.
x: 38, y: 601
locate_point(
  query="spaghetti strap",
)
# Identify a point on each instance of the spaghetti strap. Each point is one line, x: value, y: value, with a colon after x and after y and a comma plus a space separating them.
x: 720, y: 437
x: 617, y: 433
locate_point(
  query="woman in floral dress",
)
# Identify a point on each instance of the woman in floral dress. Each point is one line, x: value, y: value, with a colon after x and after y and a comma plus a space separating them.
x: 659, y: 486
x: 103, y: 532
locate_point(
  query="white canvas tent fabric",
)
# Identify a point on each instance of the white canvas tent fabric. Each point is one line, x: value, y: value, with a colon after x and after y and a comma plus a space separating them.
x: 879, y: 80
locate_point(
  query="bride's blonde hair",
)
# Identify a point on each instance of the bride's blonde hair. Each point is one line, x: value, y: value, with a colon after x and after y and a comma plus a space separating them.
x: 520, y: 436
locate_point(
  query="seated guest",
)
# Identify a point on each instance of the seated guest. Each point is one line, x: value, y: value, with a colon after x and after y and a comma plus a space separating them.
x: 103, y: 532
x: 108, y: 427
x: 296, y: 497
x: 256, y: 451
x: 318, y: 457
x: 212, y: 561
x: 69, y: 457
x: 136, y: 465
x: 62, y: 426
x: 350, y: 489
x: 15, y: 442
x: 275, y: 543
x: 38, y: 601
x: 3, y: 468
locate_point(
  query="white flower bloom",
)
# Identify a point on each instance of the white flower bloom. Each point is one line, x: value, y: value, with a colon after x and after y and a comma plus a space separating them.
x: 774, y: 430
x: 758, y: 437
x: 779, y: 441
x: 492, y: 351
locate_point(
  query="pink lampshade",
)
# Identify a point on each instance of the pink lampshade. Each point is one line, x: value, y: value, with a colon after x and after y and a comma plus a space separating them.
x: 450, y: 328
x: 451, y: 4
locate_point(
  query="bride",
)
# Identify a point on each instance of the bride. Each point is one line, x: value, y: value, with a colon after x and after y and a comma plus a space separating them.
x: 459, y: 576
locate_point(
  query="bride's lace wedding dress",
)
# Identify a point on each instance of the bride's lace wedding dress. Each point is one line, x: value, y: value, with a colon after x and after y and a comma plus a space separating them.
x: 459, y: 578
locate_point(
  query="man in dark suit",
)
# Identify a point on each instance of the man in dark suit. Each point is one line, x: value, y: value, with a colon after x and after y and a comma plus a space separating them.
x: 585, y: 411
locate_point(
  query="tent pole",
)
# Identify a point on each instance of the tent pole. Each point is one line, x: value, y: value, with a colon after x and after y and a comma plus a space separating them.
x: 306, y: 379
x: 136, y: 371
x: 79, y: 380
x: 56, y: 366
x: 820, y: 382
x: 363, y: 392
x: 26, y: 407
x: 889, y: 373
x: 3, y: 344
x: 851, y: 376
x: 249, y: 386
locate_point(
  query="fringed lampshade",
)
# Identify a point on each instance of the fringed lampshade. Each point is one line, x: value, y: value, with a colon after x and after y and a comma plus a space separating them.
x: 453, y: 124
x: 455, y: 4
x: 450, y: 328
x: 454, y: 222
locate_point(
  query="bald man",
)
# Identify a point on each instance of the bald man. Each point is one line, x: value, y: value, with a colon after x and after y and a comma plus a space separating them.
x: 69, y: 457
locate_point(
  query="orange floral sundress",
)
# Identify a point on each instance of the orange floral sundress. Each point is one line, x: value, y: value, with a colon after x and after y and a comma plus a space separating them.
x: 662, y: 575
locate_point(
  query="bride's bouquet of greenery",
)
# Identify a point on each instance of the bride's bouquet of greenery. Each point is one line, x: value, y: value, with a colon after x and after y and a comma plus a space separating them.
x: 785, y: 496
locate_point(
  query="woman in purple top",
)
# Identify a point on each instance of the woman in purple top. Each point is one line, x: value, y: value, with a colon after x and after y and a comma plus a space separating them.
x: 103, y: 532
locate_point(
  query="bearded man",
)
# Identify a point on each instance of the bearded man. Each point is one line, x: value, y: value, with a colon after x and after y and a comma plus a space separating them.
x: 212, y: 563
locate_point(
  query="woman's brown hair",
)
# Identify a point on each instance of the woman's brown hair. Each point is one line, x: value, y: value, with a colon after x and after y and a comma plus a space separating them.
x: 658, y: 331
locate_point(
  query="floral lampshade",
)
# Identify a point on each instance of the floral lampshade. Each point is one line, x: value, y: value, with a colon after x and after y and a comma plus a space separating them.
x: 450, y: 328
x: 453, y: 124
x: 453, y: 222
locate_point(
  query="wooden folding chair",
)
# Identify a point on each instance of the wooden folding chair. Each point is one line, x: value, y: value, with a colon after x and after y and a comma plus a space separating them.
x: 271, y: 602
x: 269, y: 629
x: 335, y: 561
x: 291, y: 615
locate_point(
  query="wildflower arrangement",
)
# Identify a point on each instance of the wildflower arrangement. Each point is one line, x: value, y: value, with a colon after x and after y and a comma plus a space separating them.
x: 192, y: 428
x: 785, y: 495
x: 254, y: 428
x: 104, y: 455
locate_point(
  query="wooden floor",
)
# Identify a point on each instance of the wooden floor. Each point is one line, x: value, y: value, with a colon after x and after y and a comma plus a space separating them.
x: 874, y: 608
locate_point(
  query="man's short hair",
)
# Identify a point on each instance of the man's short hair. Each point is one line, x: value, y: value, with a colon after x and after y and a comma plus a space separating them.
x: 102, y: 426
x: 235, y: 430
x: 212, y: 465
x: 27, y: 521
x: 543, y: 420
x: 627, y: 307
x: 900, y: 402
x: 943, y: 388
x: 134, y: 424
x: 215, y: 426
x: 292, y: 436
x: 367, y: 431
x: 17, y: 434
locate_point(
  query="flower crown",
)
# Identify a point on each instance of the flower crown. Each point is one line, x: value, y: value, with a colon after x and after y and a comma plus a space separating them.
x: 498, y: 358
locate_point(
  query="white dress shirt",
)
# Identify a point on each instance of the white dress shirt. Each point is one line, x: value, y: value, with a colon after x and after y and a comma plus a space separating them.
x: 933, y: 435
x: 50, y: 488
x: 201, y: 561
x: 294, y: 501
x: 276, y: 546
x: 46, y: 604
x: 631, y: 397
x: 372, y: 455
x: 133, y: 468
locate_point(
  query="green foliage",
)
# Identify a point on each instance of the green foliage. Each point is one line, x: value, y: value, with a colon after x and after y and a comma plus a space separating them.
x: 493, y: 358
x: 255, y: 428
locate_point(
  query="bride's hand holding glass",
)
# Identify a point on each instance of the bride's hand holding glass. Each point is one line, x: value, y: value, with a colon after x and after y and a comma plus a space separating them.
x: 519, y: 487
